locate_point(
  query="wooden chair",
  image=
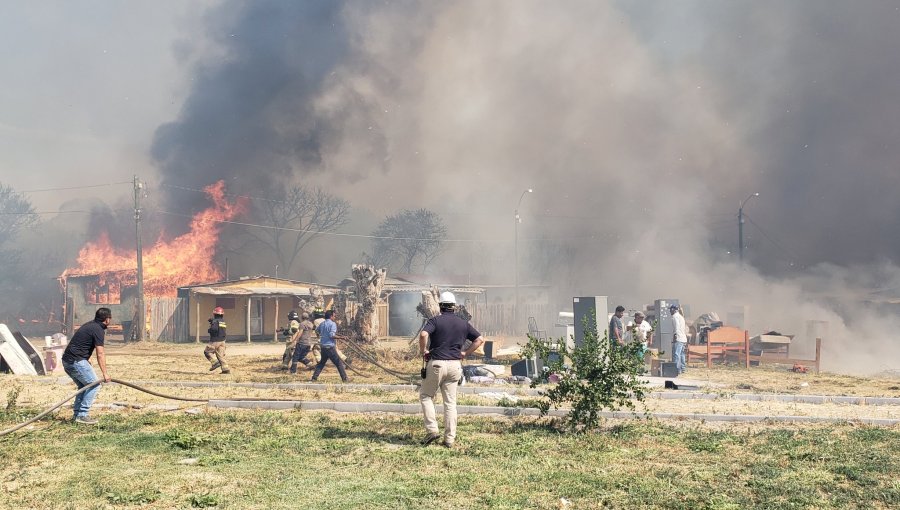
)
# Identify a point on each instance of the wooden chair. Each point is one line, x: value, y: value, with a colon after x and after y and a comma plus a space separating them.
x: 722, y: 345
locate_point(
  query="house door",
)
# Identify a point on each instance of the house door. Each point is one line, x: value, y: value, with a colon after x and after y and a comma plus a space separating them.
x: 256, y: 314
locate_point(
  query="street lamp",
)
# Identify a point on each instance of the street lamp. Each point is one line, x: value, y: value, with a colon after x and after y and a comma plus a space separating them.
x: 741, y: 227
x: 518, y: 220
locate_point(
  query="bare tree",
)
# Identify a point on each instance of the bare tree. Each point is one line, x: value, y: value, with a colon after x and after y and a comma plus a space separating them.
x: 296, y: 216
x: 407, y: 238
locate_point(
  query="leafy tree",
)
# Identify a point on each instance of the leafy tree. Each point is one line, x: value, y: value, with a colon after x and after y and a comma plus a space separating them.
x: 298, y: 215
x: 408, y: 238
x: 16, y: 213
x: 589, y: 378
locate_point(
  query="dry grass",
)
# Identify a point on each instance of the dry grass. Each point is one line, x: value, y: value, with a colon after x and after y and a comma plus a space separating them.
x: 778, y: 379
x: 258, y: 460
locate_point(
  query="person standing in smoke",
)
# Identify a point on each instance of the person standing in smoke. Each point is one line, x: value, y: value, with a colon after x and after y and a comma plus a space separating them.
x: 216, y: 345
x: 679, y: 346
x: 441, y: 347
x: 616, y: 327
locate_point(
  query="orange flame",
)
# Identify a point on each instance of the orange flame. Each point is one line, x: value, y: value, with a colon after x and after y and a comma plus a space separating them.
x: 169, y: 264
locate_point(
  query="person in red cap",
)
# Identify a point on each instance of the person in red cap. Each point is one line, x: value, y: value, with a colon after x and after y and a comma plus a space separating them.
x: 216, y: 345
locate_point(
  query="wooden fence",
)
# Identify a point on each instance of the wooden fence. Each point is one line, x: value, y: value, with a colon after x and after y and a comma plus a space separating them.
x: 168, y: 319
x: 499, y: 319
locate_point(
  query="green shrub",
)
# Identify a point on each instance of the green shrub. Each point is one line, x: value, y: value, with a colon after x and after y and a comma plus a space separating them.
x: 205, y: 500
x: 589, y: 378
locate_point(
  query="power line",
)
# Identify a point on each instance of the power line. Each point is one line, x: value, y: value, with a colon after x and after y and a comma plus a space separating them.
x: 74, y: 187
x: 792, y: 257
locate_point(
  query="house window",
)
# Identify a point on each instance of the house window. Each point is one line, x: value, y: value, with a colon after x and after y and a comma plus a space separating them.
x: 225, y: 302
x: 105, y: 293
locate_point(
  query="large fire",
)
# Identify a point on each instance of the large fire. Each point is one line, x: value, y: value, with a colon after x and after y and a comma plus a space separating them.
x: 168, y: 264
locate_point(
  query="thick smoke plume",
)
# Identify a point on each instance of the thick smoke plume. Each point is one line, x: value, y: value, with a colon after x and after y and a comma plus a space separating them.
x: 641, y: 127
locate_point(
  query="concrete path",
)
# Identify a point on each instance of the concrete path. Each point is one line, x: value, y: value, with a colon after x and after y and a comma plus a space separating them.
x: 525, y: 391
x: 377, y: 407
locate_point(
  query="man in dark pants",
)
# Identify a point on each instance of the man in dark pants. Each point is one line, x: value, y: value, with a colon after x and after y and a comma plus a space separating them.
x: 304, y: 344
x: 447, y: 332
x: 327, y: 331
x: 76, y: 362
x: 216, y: 346
x: 617, y: 328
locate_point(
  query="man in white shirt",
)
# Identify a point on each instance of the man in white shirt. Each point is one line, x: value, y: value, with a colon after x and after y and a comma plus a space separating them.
x: 679, y: 346
x: 639, y: 331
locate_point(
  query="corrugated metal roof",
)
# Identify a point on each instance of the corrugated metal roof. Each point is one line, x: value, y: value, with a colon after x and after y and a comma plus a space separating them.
x: 248, y: 281
x: 251, y: 290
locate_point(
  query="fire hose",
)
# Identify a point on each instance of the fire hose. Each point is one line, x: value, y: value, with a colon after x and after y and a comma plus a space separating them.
x: 367, y: 357
x: 62, y: 402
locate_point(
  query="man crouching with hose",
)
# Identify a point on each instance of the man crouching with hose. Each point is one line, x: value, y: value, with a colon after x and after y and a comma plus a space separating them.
x: 443, y: 354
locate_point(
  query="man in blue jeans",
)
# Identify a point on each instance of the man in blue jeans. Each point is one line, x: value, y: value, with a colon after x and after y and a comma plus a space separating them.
x: 327, y: 331
x: 76, y: 362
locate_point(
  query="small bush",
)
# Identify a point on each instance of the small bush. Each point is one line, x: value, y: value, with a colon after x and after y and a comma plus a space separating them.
x: 12, y: 397
x: 142, y: 497
x: 205, y: 500
x: 184, y: 439
x: 602, y: 376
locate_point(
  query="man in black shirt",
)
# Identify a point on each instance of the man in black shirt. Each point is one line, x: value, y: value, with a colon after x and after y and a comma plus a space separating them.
x: 443, y: 370
x: 76, y: 362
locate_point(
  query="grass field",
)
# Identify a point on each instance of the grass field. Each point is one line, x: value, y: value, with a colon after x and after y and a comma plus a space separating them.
x: 325, y: 460
x: 294, y: 459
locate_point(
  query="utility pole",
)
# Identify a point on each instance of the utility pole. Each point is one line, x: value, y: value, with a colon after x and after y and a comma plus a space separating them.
x: 516, y: 270
x: 741, y: 228
x: 141, y: 308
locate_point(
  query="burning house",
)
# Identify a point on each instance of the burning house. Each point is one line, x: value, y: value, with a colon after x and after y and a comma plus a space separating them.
x: 106, y: 274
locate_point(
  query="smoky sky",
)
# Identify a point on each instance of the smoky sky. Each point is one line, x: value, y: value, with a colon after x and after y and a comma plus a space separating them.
x: 796, y: 101
x: 815, y: 85
x: 249, y: 118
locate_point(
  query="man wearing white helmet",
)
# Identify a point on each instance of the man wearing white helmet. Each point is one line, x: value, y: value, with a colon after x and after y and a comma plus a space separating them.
x: 441, y: 345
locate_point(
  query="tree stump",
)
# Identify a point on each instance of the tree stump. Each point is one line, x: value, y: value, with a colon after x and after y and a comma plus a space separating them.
x: 429, y: 305
x: 369, y: 284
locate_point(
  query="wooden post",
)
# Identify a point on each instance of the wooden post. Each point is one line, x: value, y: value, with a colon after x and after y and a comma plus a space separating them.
x: 746, y: 349
x: 818, y: 353
x: 275, y: 329
x: 708, y: 353
x: 197, y: 298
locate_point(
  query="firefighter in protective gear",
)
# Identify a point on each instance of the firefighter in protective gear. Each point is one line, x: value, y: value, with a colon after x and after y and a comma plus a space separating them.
x: 216, y: 346
x: 292, y: 334
x: 305, y: 342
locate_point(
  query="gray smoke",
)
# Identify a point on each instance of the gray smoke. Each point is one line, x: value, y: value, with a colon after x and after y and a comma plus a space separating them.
x: 251, y: 118
x: 641, y: 126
